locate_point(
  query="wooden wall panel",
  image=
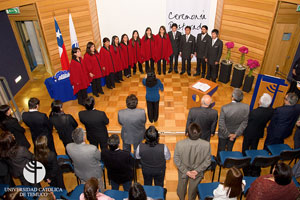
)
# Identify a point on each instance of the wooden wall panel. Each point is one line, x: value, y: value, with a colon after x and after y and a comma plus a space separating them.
x: 218, y: 17
x: 95, y: 23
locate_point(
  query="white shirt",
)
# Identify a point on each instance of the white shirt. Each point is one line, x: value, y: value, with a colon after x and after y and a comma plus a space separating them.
x: 220, y: 193
x: 213, y: 41
x: 203, y: 35
x: 187, y: 37
x: 174, y: 34
x: 32, y: 110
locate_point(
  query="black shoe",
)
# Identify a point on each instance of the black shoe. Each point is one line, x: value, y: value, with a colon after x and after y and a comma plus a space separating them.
x: 110, y: 88
x: 113, y: 86
x: 182, y: 72
x: 197, y: 74
x: 96, y: 95
x: 117, y: 81
x: 170, y: 71
x: 122, y: 80
x: 176, y: 71
x: 207, y: 78
x: 101, y: 92
x: 134, y: 73
x: 164, y: 73
x: 159, y: 73
x: 202, y: 76
x: 142, y: 72
x: 189, y: 73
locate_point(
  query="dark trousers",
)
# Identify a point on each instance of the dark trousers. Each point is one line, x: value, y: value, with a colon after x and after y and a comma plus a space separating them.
x: 225, y: 145
x: 110, y: 81
x: 157, y: 174
x: 250, y: 144
x: 297, y: 138
x: 152, y: 108
x: 58, y: 181
x: 97, y: 141
x: 117, y: 77
x: 188, y: 60
x: 115, y: 186
x: 127, y: 147
x: 140, y: 67
x: 159, y: 66
x: 127, y: 71
x: 81, y: 96
x: 272, y: 140
x: 201, y: 62
x: 148, y: 66
x: 120, y: 75
x: 212, y: 72
x: 96, y: 86
x: 176, y: 62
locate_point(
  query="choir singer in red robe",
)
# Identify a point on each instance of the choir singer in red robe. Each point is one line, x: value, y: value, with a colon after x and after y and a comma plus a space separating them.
x: 115, y: 51
x: 106, y: 63
x: 148, y: 49
x: 135, y: 42
x: 126, y: 50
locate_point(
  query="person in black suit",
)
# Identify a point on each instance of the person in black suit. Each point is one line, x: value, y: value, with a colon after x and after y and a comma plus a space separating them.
x: 175, y: 37
x: 283, y: 121
x: 203, y: 39
x: 38, y: 122
x: 119, y: 164
x: 187, y: 49
x: 48, y: 158
x: 257, y: 121
x: 295, y: 78
x: 8, y: 123
x: 205, y: 117
x: 213, y: 55
x: 65, y: 124
x: 95, y: 122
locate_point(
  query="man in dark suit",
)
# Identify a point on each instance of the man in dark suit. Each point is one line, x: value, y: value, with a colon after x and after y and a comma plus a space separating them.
x: 38, y: 122
x: 257, y: 121
x: 203, y: 39
x: 213, y: 55
x: 175, y: 37
x: 95, y: 122
x: 205, y: 117
x: 283, y: 121
x: 187, y: 49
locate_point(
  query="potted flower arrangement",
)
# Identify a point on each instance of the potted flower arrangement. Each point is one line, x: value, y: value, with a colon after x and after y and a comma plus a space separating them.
x: 252, y: 64
x: 239, y: 69
x: 226, y: 64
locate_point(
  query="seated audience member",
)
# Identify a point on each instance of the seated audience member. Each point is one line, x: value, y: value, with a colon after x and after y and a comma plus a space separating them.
x: 85, y: 157
x: 233, y: 121
x: 153, y: 158
x: 38, y: 122
x: 95, y: 122
x: 91, y: 191
x: 16, y: 156
x: 137, y: 192
x: 119, y: 164
x: 48, y: 158
x: 192, y: 157
x: 257, y: 121
x: 297, y: 135
x: 13, y: 195
x: 283, y: 121
x: 205, y: 117
x: 65, y: 124
x: 11, y: 124
x: 233, y: 186
x: 133, y: 122
x: 276, y: 186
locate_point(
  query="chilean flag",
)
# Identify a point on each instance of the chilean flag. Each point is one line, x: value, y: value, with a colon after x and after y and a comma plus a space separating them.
x: 61, y: 48
x: 73, y: 36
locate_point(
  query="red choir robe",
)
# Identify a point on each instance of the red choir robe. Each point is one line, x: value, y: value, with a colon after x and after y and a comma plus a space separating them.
x: 126, y: 51
x: 117, y: 57
x: 92, y: 63
x: 148, y: 48
x: 106, y: 61
x: 163, y: 48
x: 79, y: 76
x: 136, y: 52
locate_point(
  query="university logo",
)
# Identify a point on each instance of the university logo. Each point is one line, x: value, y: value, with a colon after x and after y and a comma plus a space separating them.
x: 34, y: 172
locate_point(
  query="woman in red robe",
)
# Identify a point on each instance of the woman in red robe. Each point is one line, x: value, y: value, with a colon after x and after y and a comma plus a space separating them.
x: 135, y: 42
x: 126, y: 50
x: 92, y: 61
x: 148, y: 49
x: 106, y: 63
x: 163, y: 49
x: 115, y: 51
x: 79, y: 76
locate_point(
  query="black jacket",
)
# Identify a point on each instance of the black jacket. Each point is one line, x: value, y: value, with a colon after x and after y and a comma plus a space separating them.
x: 201, y: 45
x: 187, y: 47
x: 175, y: 43
x: 214, y: 53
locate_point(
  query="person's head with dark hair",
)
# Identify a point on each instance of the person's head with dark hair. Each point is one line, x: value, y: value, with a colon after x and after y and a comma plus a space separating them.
x: 91, y: 188
x: 41, y: 150
x: 214, y: 33
x: 194, y: 131
x: 187, y: 30
x: 78, y: 136
x: 8, y: 144
x: 174, y: 27
x: 162, y: 32
x: 131, y: 101
x: 151, y: 80
x: 90, y: 48
x: 56, y: 107
x: 148, y: 34
x: 237, y: 95
x: 106, y: 42
x: 204, y: 29
x: 76, y: 53
x: 135, y: 38
x: 33, y: 103
x: 137, y: 192
x: 152, y: 136
x: 124, y: 39
x: 282, y: 174
x: 89, y: 103
x: 113, y: 142
x: 291, y: 99
x: 115, y: 42
x: 5, y: 113
x: 233, y: 182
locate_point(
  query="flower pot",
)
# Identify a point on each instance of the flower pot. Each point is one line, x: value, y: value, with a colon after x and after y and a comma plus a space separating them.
x: 248, y: 83
x: 225, y: 71
x: 238, y: 76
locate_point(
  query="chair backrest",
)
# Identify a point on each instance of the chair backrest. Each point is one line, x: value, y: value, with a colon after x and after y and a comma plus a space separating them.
x: 65, y: 163
x: 265, y: 161
x: 289, y: 154
x: 155, y: 192
x: 116, y: 194
x: 237, y: 162
x: 77, y: 191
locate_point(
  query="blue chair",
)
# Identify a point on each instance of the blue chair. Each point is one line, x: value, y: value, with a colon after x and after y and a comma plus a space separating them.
x: 58, y: 192
x: 116, y: 194
x: 230, y: 159
x: 155, y: 192
x: 75, y: 194
x: 29, y: 192
x: 296, y: 182
x: 212, y: 167
x: 249, y: 180
x: 284, y: 151
x: 2, y: 188
x: 103, y: 170
x: 206, y: 189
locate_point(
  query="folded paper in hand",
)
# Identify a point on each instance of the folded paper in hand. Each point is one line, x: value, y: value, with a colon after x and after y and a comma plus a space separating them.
x: 201, y: 86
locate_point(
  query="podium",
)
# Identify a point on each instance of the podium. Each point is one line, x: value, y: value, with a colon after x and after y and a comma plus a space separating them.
x: 195, y: 95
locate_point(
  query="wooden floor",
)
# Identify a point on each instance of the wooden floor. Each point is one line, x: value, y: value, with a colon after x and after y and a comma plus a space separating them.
x: 172, y: 115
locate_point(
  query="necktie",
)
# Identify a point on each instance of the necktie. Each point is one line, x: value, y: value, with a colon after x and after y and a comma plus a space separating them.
x: 187, y: 38
x: 174, y: 33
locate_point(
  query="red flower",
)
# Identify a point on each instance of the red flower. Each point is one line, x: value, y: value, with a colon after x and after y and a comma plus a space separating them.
x: 229, y: 45
x: 252, y: 63
x: 243, y: 50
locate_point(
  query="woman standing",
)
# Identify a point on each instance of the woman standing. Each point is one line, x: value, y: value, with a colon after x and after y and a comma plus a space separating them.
x: 148, y: 49
x: 163, y: 49
x: 115, y: 51
x: 135, y: 42
x: 153, y: 85
x: 92, y: 62
x: 8, y: 123
x: 126, y: 51
x: 48, y: 159
x: 79, y: 77
x: 107, y: 63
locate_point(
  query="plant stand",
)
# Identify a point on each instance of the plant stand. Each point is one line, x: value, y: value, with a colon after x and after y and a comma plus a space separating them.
x: 248, y: 83
x: 238, y: 76
x: 225, y: 71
